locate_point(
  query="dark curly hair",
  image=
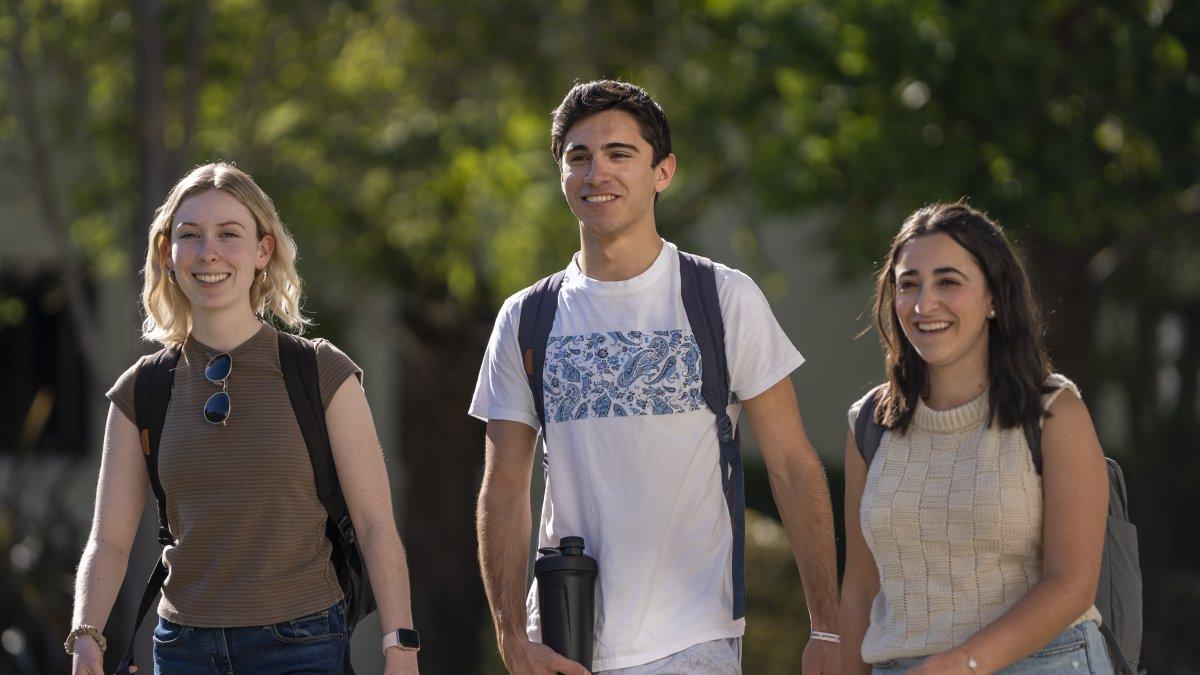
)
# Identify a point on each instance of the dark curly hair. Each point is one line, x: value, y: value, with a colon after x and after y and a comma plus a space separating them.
x: 589, y: 98
x: 1017, y: 360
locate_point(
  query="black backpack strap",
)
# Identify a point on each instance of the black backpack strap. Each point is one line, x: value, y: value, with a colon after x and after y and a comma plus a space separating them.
x: 538, y: 308
x: 1120, y: 664
x: 698, y: 288
x: 151, y: 394
x: 298, y: 362
x: 1033, y: 437
x: 867, y: 432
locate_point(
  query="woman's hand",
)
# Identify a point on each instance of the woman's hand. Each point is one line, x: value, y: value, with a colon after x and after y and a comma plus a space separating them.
x: 88, y: 659
x: 400, y: 662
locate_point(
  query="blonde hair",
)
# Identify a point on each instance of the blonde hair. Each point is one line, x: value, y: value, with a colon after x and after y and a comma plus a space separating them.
x: 168, y: 311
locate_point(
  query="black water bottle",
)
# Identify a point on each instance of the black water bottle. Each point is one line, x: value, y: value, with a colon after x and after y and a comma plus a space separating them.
x: 566, y: 579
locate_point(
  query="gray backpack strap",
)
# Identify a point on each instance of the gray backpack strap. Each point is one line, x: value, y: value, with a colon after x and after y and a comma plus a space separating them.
x: 867, y: 432
x: 698, y: 288
x: 538, y: 308
x: 1119, y: 590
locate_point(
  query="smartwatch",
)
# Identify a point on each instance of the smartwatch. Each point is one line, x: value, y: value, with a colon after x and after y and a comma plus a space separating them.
x: 406, y: 639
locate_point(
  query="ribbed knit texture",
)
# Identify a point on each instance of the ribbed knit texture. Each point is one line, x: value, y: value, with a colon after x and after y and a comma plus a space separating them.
x: 241, y: 498
x: 952, y: 513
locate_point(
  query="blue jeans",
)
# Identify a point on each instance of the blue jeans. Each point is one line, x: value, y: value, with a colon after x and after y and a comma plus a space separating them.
x: 1079, y: 649
x: 313, y: 644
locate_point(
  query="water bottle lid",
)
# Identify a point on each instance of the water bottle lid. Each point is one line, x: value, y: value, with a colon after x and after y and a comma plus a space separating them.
x: 568, y: 557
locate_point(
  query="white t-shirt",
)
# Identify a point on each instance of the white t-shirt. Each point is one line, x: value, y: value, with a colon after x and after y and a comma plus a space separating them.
x: 632, y: 449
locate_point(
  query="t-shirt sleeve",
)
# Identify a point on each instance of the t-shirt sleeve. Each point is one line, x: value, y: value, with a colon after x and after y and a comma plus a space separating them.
x: 758, y: 352
x: 502, y: 390
x: 121, y: 393
x: 333, y: 367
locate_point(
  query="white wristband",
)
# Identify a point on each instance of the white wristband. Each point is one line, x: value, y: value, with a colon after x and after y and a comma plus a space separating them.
x: 826, y: 637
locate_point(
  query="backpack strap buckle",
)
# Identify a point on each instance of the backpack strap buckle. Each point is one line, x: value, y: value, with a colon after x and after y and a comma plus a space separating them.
x: 346, y: 528
x: 725, y: 429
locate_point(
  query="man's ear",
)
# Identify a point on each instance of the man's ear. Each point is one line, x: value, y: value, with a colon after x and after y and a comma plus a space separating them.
x: 664, y: 173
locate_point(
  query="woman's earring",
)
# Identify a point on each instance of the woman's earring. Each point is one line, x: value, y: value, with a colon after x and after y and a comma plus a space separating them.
x: 991, y: 313
x: 171, y: 277
x: 262, y: 278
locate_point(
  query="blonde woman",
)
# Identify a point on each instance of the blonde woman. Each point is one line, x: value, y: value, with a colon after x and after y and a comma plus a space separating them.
x: 250, y: 585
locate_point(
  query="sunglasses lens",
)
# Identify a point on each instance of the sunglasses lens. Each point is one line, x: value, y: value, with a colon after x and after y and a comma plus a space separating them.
x: 218, y: 368
x: 216, y: 410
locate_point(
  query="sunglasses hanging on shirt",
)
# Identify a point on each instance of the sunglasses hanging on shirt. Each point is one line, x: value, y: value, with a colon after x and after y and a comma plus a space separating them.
x: 218, y: 406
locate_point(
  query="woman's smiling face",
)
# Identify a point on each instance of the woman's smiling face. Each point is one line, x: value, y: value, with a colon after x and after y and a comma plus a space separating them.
x: 216, y: 252
x: 942, y: 301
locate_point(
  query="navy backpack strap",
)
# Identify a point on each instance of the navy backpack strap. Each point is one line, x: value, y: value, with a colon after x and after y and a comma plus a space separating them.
x: 151, y: 394
x: 698, y: 288
x: 538, y: 308
x: 867, y: 432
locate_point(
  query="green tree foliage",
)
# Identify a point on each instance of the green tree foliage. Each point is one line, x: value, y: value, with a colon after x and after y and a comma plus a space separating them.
x: 406, y: 145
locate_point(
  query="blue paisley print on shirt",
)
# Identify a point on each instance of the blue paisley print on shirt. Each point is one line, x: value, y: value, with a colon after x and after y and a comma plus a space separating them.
x: 618, y: 374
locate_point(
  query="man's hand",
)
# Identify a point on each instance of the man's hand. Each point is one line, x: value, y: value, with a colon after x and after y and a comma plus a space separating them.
x: 88, y: 659
x: 821, y: 658
x: 400, y: 662
x: 523, y: 657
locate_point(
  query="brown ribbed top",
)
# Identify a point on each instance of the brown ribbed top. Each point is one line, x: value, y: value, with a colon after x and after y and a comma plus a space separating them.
x: 241, y: 498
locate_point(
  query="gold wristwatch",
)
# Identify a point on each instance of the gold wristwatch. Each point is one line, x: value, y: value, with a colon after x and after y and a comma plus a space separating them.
x: 84, y: 629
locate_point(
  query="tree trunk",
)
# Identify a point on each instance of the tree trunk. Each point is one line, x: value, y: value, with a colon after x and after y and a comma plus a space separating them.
x: 151, y: 111
x: 443, y: 450
x: 46, y: 190
x: 1064, y: 289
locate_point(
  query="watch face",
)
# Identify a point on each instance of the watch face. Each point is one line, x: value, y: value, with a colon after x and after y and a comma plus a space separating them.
x: 408, y: 639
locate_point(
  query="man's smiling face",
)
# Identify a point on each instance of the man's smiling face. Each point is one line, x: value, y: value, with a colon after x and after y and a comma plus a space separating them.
x: 608, y: 176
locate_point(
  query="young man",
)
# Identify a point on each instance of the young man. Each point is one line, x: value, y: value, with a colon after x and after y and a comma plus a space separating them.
x: 633, y: 452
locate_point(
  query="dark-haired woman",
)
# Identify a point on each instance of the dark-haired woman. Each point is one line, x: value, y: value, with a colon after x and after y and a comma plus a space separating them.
x: 960, y: 557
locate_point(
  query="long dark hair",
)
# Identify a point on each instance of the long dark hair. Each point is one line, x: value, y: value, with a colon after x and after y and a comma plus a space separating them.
x: 1017, y: 359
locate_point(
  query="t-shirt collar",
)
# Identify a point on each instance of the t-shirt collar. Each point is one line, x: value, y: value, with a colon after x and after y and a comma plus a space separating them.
x: 204, y: 352
x: 575, y: 278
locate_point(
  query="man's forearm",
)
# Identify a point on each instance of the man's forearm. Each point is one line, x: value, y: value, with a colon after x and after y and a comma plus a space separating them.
x: 801, y: 494
x: 503, y: 523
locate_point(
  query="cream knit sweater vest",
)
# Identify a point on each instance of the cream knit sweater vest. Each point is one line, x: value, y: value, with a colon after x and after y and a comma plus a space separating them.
x: 952, y: 513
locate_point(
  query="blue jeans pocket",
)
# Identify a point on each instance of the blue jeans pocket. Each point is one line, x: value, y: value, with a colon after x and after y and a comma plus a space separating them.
x: 327, y: 624
x: 1070, y: 652
x: 167, y: 633
x: 1058, y: 650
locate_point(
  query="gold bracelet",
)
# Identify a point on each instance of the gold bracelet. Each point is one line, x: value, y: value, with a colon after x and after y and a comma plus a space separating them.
x: 971, y: 663
x: 81, y: 630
